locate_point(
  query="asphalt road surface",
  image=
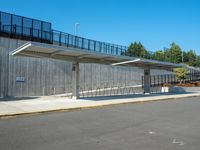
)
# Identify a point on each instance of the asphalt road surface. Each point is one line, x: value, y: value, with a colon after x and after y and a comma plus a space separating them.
x: 161, y: 125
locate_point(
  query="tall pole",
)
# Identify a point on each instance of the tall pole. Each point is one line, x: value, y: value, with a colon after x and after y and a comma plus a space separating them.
x: 182, y: 56
x: 76, y: 28
x: 164, y: 51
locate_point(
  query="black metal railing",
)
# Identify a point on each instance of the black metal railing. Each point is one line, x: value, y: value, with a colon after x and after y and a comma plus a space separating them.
x: 60, y: 38
x: 160, y: 80
x: 26, y: 33
x: 65, y: 39
x: 20, y: 27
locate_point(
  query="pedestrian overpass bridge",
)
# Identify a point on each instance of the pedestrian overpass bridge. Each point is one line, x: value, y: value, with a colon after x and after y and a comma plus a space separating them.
x: 43, y: 41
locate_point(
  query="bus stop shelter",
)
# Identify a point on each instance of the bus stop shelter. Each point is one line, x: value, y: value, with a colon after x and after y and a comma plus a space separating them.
x: 77, y: 55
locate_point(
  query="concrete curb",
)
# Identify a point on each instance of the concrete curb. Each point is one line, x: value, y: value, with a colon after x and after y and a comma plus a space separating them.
x: 14, y: 115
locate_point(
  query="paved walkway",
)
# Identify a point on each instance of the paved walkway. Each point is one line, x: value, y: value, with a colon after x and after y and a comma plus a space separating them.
x: 20, y: 106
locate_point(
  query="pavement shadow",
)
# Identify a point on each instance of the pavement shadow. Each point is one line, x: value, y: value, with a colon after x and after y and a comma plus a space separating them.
x: 17, y: 98
x: 100, y: 98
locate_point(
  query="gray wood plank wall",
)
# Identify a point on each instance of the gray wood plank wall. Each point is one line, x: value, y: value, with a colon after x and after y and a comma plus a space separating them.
x: 47, y: 76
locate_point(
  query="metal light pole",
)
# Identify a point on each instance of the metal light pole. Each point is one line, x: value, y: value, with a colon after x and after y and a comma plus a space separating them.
x: 182, y: 56
x: 164, y: 50
x: 76, y: 28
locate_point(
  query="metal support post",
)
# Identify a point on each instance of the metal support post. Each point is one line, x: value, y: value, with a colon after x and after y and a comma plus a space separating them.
x: 147, y: 81
x: 75, y: 80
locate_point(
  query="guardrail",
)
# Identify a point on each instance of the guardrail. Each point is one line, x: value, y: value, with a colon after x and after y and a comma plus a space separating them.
x: 25, y: 33
x: 60, y: 38
x: 65, y: 39
x: 20, y: 27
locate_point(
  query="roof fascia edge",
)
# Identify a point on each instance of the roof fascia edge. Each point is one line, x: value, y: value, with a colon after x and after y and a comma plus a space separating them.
x: 21, y: 48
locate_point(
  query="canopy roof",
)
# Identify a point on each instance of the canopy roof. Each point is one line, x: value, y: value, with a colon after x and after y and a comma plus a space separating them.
x: 35, y: 49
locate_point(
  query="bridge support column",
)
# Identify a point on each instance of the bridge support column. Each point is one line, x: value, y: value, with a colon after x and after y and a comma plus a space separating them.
x: 75, y: 80
x: 147, y: 81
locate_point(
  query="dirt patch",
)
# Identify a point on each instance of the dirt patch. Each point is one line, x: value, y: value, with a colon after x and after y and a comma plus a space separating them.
x: 190, y: 84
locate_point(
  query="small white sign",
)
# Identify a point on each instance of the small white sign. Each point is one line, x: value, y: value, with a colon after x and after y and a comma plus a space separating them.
x: 20, y: 79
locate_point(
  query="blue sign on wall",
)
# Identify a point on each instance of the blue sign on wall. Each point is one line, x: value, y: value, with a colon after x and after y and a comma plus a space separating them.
x: 20, y: 79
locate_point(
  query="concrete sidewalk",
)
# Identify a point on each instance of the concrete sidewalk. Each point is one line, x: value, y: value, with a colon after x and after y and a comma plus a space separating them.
x: 32, y: 105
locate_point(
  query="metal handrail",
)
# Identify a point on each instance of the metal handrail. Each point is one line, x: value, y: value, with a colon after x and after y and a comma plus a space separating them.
x: 69, y: 40
x: 63, y: 39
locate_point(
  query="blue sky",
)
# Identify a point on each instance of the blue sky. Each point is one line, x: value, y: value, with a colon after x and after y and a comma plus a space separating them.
x: 156, y: 23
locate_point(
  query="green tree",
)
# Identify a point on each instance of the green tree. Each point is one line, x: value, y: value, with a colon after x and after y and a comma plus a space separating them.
x: 181, y: 74
x: 137, y: 50
x: 197, y: 62
x: 185, y: 57
x: 191, y: 58
x: 174, y: 53
x: 158, y: 55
